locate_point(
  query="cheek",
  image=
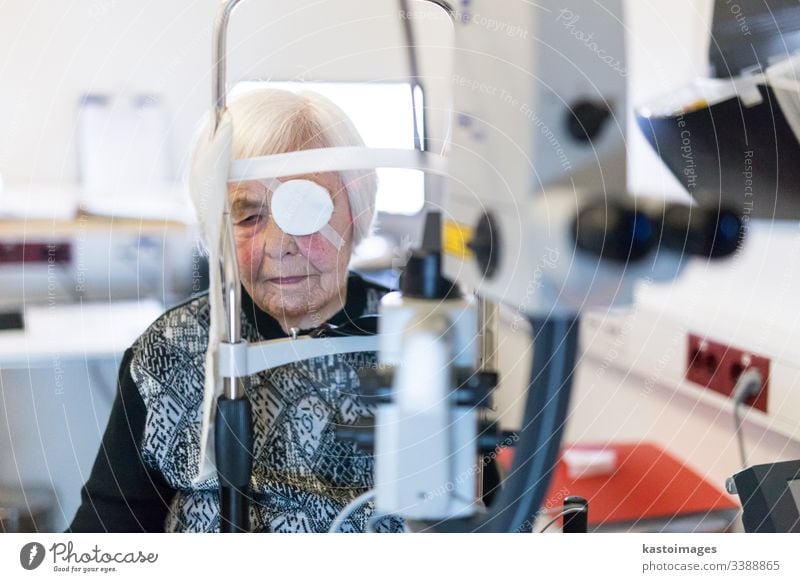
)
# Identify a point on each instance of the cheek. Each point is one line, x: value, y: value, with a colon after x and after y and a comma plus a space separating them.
x: 249, y: 257
x: 319, y: 252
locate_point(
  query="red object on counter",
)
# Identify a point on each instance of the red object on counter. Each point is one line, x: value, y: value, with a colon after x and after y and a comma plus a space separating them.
x: 648, y: 483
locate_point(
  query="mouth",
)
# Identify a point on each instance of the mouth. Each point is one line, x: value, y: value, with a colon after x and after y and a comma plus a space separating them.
x: 287, y: 280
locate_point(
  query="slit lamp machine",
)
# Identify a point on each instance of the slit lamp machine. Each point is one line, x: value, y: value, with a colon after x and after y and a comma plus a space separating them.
x: 534, y: 174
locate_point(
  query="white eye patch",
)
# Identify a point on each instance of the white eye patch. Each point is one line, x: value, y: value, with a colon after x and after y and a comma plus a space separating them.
x: 303, y: 207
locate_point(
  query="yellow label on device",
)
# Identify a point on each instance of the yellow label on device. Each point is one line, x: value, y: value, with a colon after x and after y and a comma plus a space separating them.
x: 455, y: 238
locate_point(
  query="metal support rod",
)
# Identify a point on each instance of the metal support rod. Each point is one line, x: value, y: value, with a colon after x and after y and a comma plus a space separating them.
x: 233, y: 436
x: 220, y: 59
x: 234, y: 424
x: 221, y: 55
x: 487, y: 331
x: 488, y: 334
x: 231, y: 289
x: 233, y: 428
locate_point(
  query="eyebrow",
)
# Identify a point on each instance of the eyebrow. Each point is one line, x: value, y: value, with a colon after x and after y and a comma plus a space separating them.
x: 242, y: 203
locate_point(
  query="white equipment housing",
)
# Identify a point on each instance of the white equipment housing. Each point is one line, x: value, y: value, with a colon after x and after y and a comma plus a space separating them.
x: 514, y: 157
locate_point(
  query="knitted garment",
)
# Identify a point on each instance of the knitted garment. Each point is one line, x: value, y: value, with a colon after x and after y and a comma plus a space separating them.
x: 303, y: 476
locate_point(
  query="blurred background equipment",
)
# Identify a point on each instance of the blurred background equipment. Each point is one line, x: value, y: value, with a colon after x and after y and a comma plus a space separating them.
x: 28, y: 511
x: 731, y: 137
x: 770, y: 496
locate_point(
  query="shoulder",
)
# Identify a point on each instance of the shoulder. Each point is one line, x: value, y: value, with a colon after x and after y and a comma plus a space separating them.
x: 182, y: 326
x: 176, y: 340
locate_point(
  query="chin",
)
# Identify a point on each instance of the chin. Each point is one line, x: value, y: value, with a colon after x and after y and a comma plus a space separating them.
x: 291, y: 306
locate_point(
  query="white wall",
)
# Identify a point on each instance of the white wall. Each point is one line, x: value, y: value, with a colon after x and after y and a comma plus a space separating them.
x: 667, y: 48
x: 54, y: 51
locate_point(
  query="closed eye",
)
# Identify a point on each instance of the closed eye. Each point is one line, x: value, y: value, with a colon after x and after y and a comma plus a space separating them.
x: 250, y: 220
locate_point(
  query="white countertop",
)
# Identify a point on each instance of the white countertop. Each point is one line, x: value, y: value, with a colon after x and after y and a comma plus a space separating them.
x: 77, y: 331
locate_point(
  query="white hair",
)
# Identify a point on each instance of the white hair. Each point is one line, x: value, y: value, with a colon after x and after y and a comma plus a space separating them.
x: 275, y: 121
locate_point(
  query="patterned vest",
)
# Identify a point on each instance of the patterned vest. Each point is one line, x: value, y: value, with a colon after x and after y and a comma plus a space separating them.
x: 302, y: 474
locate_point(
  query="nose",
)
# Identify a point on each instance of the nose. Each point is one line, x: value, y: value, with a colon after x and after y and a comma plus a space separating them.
x: 278, y: 244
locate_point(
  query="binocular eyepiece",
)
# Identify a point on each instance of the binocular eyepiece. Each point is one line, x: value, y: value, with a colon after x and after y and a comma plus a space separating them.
x: 619, y: 231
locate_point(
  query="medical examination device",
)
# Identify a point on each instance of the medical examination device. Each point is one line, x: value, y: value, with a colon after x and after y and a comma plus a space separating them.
x: 536, y: 217
x: 735, y: 135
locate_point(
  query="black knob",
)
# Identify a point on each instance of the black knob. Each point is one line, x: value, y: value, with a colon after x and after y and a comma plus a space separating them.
x: 614, y: 231
x: 422, y: 277
x: 586, y: 118
x: 576, y: 520
x: 485, y: 244
x: 475, y: 388
x: 702, y: 231
x: 489, y: 437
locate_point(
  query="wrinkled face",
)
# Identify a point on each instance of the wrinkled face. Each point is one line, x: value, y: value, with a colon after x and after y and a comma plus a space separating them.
x: 298, y: 279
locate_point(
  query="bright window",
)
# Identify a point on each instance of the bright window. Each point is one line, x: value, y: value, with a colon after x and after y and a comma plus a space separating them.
x: 382, y: 113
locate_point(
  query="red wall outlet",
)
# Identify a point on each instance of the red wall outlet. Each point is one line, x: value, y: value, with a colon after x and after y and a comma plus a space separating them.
x: 718, y: 366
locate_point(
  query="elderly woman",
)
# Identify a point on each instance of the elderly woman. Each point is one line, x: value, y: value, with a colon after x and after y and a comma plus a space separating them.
x: 143, y: 477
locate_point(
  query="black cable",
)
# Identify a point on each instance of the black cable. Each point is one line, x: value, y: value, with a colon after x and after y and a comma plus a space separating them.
x: 747, y: 386
x: 564, y: 512
x: 737, y: 428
